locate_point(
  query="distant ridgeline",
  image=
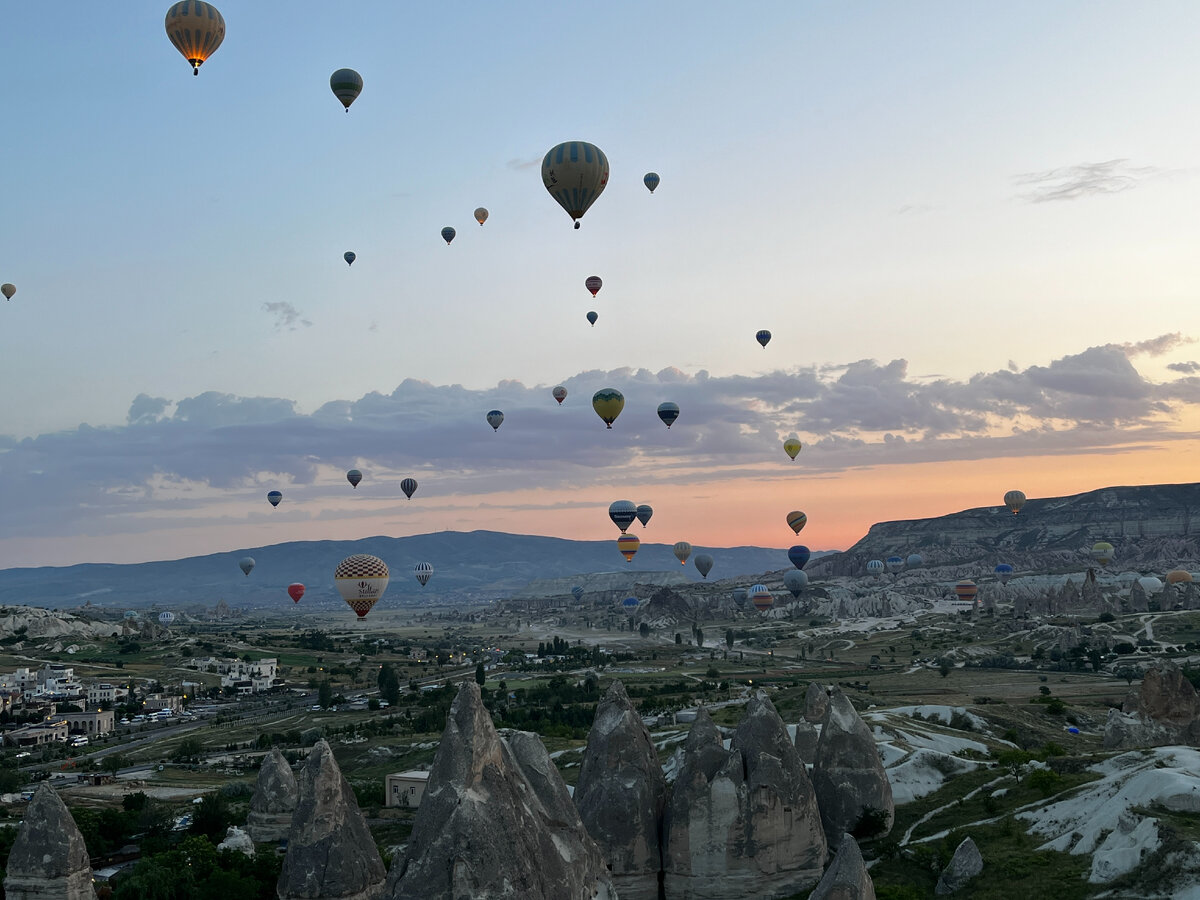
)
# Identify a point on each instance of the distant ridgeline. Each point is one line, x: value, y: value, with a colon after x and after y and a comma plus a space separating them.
x: 1152, y: 527
x: 468, y: 567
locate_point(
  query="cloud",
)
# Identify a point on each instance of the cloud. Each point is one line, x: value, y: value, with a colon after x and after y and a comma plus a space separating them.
x: 1164, y: 343
x: 522, y: 164
x: 1083, y: 180
x: 287, y: 317
x: 186, y: 461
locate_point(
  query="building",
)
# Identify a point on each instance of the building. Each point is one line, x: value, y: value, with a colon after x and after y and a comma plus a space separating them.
x: 98, y: 693
x: 161, y: 701
x: 405, y: 789
x: 35, y: 735
x: 92, y: 723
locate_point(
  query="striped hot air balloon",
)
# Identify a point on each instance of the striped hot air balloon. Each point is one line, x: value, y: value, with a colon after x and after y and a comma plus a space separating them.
x: 559, y: 394
x: 274, y: 497
x: 966, y: 590
x: 875, y: 567
x: 409, y: 486
x: 668, y: 412
x: 424, y: 571
x: 1003, y: 572
x: 797, y: 520
x: 761, y: 597
x: 644, y: 512
x: 575, y: 173
x: 346, y: 85
x: 196, y: 29
x: 651, y: 180
x: 628, y: 545
x: 1014, y: 500
x: 763, y: 337
x: 682, y: 551
x: 593, y: 284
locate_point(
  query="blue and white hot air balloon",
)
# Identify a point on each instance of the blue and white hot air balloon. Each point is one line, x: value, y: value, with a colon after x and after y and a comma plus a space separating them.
x: 651, y: 181
x: 575, y: 173
x: 875, y: 567
x: 1004, y: 572
x: 895, y: 564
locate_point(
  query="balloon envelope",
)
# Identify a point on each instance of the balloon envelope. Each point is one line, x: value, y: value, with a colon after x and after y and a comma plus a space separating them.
x: 644, y: 512
x: 409, y: 486
x: 668, y: 412
x: 246, y: 564
x: 354, y: 477
x: 875, y: 567
x: 1179, y: 576
x: 494, y: 418
x: 166, y: 618
x: 894, y: 564
x: 1102, y: 552
x: 592, y: 317
x: 682, y: 551
x: 703, y: 563
x: 593, y: 284
x: 651, y: 180
x: 914, y: 561
x: 559, y: 394
x: 575, y: 173
x: 608, y: 403
x: 1014, y: 500
x: 273, y: 497
x: 761, y: 597
x: 361, y: 579
x: 630, y: 602
x: 740, y: 595
x: 8, y: 290
x: 1150, y: 584
x: 481, y: 215
x: 1004, y: 572
x: 577, y: 592
x: 296, y: 591
x: 763, y: 337
x: 797, y: 520
x: 346, y: 85
x: 966, y: 590
x: 423, y: 571
x: 448, y: 234
x: 792, y: 446
x: 795, y: 581
x: 628, y: 545
x: 349, y: 256
x: 622, y: 512
x: 799, y: 555
x: 196, y: 29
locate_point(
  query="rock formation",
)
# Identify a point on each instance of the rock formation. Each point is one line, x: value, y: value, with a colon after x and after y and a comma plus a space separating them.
x: 237, y: 839
x: 48, y: 860
x: 806, y: 741
x: 621, y: 795
x: 742, y: 822
x: 847, y: 877
x: 331, y: 854
x: 816, y: 703
x: 964, y: 865
x: 848, y: 774
x: 1164, y: 709
x: 496, y: 821
x: 274, y: 800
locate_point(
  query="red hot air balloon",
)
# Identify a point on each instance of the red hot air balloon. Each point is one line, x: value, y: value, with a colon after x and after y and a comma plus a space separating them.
x: 593, y: 284
x: 296, y: 591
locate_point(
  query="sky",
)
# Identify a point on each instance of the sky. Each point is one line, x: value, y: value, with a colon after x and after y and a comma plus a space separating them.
x: 970, y: 228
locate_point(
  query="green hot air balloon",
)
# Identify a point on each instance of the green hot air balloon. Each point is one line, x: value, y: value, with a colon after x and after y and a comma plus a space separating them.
x: 346, y: 85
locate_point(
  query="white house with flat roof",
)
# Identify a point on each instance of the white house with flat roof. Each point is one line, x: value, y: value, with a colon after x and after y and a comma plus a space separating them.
x: 405, y: 788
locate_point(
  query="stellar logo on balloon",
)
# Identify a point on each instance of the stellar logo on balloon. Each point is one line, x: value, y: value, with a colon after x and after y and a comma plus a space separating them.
x: 366, y: 590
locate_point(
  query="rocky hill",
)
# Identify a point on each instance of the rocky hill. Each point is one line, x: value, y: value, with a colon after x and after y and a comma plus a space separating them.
x: 1152, y: 527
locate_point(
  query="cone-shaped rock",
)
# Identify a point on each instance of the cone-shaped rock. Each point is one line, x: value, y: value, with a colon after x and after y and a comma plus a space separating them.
x: 331, y: 854
x: 496, y: 821
x: 816, y: 703
x: 274, y: 800
x: 964, y: 865
x: 848, y: 774
x: 847, y: 877
x: 621, y: 795
x: 49, y: 860
x: 806, y: 740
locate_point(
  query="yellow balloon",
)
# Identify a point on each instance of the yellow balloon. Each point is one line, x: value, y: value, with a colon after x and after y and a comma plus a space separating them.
x: 796, y: 520
x: 196, y: 29
x: 608, y: 403
x: 791, y: 447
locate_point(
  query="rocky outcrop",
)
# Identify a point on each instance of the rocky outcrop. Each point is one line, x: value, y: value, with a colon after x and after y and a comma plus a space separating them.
x: 742, y: 822
x: 1164, y: 709
x: 816, y: 703
x: 331, y: 854
x: 237, y: 839
x: 847, y: 877
x: 48, y: 860
x: 274, y: 800
x: 848, y: 774
x: 496, y: 821
x: 621, y: 795
x: 964, y: 865
x: 807, y: 736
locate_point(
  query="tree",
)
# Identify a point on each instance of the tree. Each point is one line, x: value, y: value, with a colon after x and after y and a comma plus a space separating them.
x: 678, y: 638
x: 699, y: 637
x: 113, y: 763
x: 325, y: 693
x: 480, y: 675
x: 729, y: 638
x: 943, y: 667
x: 389, y: 684
x: 644, y: 630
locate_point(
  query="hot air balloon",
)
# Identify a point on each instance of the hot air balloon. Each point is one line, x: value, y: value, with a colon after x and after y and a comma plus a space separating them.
x: 361, y: 579
x: 577, y: 593
x: 424, y: 571
x: 575, y: 173
x: 795, y: 581
x: 608, y: 403
x: 622, y: 512
x: 1014, y: 500
x: 166, y: 618
x: 668, y: 412
x: 494, y: 418
x: 797, y: 520
x: 875, y: 567
x: 740, y: 595
x: 409, y: 486
x: 346, y: 85
x: 682, y: 551
x: 799, y: 555
x: 8, y: 290
x: 761, y: 597
x: 592, y: 317
x: 1102, y: 552
x: 630, y: 602
x: 703, y: 563
x: 763, y: 337
x: 651, y: 180
x: 130, y: 614
x: 792, y: 446
x: 966, y: 590
x: 894, y: 564
x: 246, y: 564
x: 481, y: 215
x: 295, y: 591
x: 593, y: 284
x: 628, y: 545
x: 273, y: 497
x: 644, y: 512
x: 1003, y: 572
x: 1150, y: 584
x: 196, y: 29
x: 914, y: 561
x: 354, y: 477
x: 448, y: 234
x: 349, y: 256
x: 559, y: 394
x: 1179, y: 576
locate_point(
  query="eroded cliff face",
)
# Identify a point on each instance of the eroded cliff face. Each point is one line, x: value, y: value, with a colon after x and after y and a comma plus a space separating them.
x: 1164, y: 709
x: 49, y: 860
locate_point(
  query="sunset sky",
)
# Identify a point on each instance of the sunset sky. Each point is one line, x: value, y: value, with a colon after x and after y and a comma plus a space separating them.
x: 970, y: 227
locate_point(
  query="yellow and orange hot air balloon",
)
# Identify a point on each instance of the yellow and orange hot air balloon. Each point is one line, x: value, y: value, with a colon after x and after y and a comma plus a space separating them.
x: 628, y: 545
x: 966, y: 590
x: 797, y: 520
x: 196, y: 29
